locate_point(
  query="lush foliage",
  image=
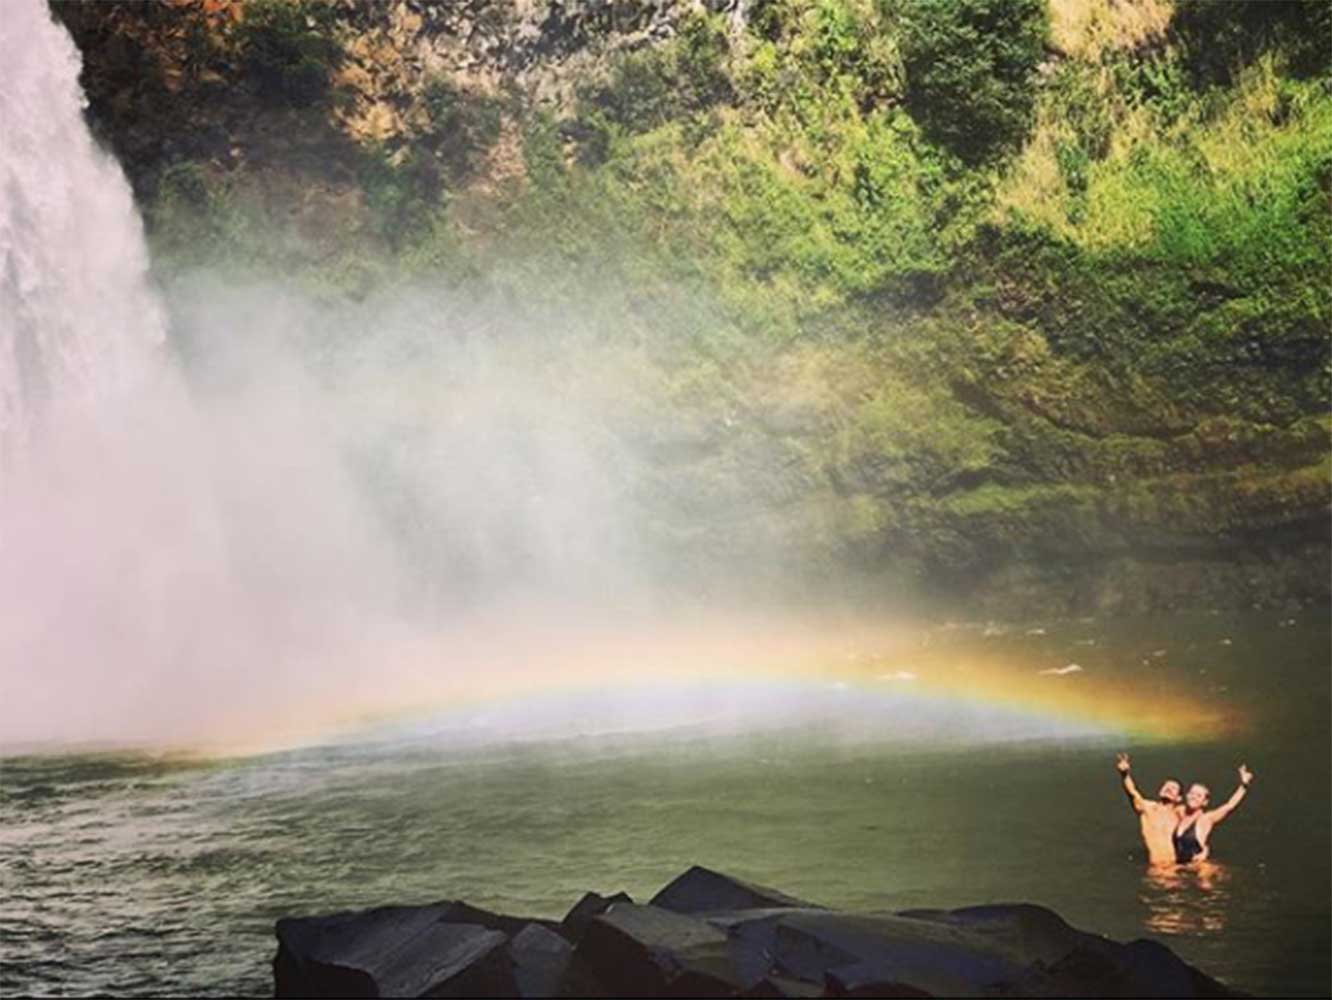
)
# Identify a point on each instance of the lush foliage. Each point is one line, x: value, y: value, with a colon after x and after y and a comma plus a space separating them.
x: 970, y: 71
x: 976, y: 298
x: 287, y: 50
x: 652, y: 87
x: 1219, y: 39
x: 462, y: 127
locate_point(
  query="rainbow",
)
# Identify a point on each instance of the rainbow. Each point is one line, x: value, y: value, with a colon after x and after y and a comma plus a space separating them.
x: 875, y: 681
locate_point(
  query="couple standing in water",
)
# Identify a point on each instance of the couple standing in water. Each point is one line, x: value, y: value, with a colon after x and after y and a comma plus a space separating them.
x: 1175, y: 830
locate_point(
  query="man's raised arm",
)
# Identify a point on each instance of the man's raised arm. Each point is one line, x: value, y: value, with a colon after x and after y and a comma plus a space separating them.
x: 1130, y: 789
x: 1226, y: 808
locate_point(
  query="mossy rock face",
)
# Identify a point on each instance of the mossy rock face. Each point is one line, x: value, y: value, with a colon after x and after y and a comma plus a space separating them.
x: 1276, y: 576
x: 1096, y: 339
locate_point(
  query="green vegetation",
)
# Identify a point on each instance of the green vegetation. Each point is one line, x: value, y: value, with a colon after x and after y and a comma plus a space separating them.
x: 462, y: 127
x: 970, y: 68
x: 987, y: 287
x: 287, y: 50
x: 1217, y: 41
x: 649, y: 88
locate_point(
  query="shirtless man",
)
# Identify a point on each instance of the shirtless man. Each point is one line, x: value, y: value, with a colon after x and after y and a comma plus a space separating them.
x: 1157, y: 819
x: 1195, y: 826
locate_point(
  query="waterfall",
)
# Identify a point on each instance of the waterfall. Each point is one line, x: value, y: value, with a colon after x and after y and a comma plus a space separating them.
x: 229, y: 543
x: 78, y: 319
x: 176, y: 564
x: 110, y: 546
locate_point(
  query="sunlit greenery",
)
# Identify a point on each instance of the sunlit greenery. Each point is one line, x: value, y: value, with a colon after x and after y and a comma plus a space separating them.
x: 1016, y: 279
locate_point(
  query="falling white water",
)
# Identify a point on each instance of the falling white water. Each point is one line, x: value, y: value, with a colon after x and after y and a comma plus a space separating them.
x: 302, y: 533
x: 179, y: 563
x: 198, y: 563
x: 78, y: 320
x: 108, y: 537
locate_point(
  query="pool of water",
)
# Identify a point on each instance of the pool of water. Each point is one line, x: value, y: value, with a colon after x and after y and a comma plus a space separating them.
x: 127, y: 873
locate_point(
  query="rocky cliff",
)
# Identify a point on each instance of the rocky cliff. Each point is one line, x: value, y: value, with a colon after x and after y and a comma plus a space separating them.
x: 1050, y: 331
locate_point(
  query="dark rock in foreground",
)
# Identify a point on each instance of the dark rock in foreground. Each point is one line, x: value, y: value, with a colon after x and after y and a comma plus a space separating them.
x: 701, y: 890
x: 708, y: 935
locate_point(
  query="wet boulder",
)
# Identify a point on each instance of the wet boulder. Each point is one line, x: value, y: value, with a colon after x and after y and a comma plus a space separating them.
x: 404, y: 951
x: 1108, y: 969
x: 637, y: 951
x: 540, y: 959
x: 867, y: 981
x: 1149, y: 964
x: 855, y: 954
x: 700, y: 890
x: 592, y: 904
x: 782, y: 986
x: 709, y: 935
x: 1025, y: 931
x: 1060, y: 960
x: 458, y: 912
x: 753, y: 936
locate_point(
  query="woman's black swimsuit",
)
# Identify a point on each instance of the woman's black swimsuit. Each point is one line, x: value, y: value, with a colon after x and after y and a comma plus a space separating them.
x: 1186, y: 843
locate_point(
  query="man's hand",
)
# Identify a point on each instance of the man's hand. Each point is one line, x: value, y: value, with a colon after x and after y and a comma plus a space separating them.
x: 1245, y: 775
x: 1130, y: 789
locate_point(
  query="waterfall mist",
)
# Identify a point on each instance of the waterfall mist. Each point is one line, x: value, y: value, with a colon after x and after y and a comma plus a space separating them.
x: 310, y: 513
x: 281, y: 512
x: 233, y: 513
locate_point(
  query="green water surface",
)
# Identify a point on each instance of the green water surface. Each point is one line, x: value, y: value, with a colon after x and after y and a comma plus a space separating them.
x: 135, y: 875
